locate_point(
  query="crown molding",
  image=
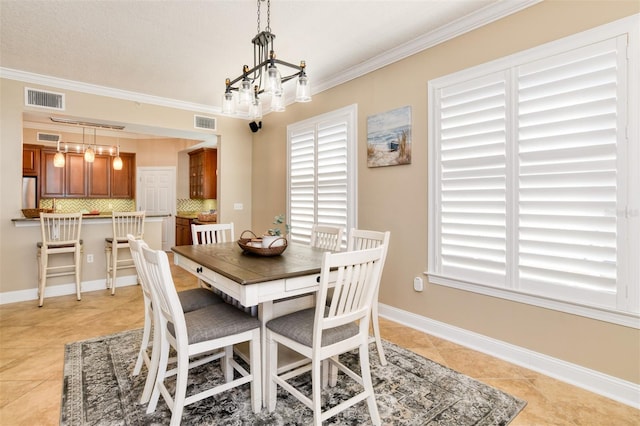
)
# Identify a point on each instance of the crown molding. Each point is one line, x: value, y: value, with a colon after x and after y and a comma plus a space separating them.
x: 470, y: 22
x: 61, y: 83
x: 461, y: 26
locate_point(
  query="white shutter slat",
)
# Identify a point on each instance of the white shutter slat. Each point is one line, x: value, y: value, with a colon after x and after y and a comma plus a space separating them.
x: 567, y: 127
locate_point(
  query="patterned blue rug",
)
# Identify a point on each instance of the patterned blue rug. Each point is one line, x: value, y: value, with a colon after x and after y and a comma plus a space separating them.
x: 98, y: 389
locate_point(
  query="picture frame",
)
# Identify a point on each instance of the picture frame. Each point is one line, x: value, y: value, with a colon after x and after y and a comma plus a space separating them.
x: 389, y: 138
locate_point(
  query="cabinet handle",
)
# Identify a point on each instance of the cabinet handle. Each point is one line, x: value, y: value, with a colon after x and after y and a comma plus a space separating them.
x: 199, y: 269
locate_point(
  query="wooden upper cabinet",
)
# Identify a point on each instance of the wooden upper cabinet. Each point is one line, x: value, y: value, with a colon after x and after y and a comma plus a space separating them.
x: 30, y: 160
x: 123, y: 183
x: 99, y: 177
x: 51, y: 178
x: 203, y: 182
x: 75, y: 179
x: 79, y: 179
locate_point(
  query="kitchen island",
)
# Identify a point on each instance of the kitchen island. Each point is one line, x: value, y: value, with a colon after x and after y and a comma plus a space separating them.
x: 21, y: 283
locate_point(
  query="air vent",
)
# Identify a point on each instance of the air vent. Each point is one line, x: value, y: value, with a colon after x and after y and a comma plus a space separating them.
x: 48, y: 137
x: 42, y: 99
x: 201, y: 122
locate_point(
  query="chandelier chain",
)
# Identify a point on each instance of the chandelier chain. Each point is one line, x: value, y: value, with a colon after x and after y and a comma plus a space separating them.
x: 268, y: 27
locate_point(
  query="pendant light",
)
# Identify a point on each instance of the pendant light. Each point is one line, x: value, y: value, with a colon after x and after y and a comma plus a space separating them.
x: 89, y: 154
x: 117, y: 162
x: 58, y: 159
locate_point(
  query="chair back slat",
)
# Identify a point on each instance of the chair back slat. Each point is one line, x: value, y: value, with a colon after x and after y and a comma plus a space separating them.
x: 355, y: 287
x: 135, y: 246
x: 125, y: 223
x: 212, y: 233
x: 326, y: 237
x: 164, y: 293
x: 60, y: 228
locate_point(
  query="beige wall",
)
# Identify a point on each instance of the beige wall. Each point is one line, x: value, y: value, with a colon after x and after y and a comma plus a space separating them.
x: 395, y: 198
x: 17, y: 245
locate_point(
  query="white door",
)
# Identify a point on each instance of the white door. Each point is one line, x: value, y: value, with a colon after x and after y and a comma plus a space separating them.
x: 155, y: 194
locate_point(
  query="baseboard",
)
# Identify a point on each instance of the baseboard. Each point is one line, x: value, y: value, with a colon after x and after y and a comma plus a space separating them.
x: 64, y: 289
x: 611, y: 387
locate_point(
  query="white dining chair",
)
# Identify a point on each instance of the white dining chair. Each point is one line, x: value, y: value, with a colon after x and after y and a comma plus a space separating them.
x: 324, y: 332
x: 190, y: 300
x: 360, y: 239
x: 123, y: 224
x: 326, y: 237
x: 212, y: 233
x: 198, y: 333
x: 60, y: 236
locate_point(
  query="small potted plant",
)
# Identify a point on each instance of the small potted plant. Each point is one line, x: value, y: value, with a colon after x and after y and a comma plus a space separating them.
x: 274, y: 235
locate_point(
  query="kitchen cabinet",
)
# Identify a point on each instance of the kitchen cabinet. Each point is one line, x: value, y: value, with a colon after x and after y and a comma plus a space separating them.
x: 123, y: 182
x: 183, y: 231
x: 203, y: 164
x: 30, y: 160
x: 99, y: 177
x: 51, y: 178
x: 79, y: 179
x: 75, y: 171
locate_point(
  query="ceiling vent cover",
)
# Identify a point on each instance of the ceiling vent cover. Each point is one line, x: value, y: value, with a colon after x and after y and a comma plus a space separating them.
x: 43, y: 99
x: 48, y: 137
x: 202, y: 122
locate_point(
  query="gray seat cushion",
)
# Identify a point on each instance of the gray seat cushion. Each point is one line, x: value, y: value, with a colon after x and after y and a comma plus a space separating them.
x: 216, y: 321
x: 197, y: 298
x: 298, y: 326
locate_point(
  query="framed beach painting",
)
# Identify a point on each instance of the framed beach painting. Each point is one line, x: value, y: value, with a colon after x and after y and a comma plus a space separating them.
x: 389, y: 138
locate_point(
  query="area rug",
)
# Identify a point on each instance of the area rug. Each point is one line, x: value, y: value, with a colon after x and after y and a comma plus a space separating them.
x: 98, y: 389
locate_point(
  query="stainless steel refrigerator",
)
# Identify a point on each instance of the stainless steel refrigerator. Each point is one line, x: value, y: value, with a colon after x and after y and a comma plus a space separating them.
x: 29, y: 192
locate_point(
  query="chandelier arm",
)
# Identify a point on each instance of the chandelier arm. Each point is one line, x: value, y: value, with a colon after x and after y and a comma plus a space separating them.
x: 262, y: 65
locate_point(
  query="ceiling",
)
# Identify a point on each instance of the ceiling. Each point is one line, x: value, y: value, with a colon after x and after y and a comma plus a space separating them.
x: 181, y: 51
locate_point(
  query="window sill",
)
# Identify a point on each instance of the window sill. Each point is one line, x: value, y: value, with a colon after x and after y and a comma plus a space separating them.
x: 620, y: 318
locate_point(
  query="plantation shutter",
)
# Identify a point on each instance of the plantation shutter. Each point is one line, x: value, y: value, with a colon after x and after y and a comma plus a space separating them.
x: 568, y: 159
x: 332, y: 181
x: 302, y: 181
x: 472, y: 180
x: 321, y: 173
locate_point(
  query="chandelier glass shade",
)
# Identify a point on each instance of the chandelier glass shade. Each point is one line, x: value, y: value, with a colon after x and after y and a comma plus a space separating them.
x: 264, y: 79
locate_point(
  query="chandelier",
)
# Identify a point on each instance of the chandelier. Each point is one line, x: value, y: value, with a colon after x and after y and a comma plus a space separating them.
x: 264, y: 79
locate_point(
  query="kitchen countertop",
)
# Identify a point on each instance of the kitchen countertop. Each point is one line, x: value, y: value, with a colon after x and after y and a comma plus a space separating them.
x: 85, y: 217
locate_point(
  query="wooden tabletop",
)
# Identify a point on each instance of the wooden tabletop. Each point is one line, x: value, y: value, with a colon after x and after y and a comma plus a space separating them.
x: 229, y: 260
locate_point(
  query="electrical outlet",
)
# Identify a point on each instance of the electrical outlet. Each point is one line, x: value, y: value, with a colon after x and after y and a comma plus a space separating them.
x: 418, y: 284
x: 238, y: 206
x: 89, y: 258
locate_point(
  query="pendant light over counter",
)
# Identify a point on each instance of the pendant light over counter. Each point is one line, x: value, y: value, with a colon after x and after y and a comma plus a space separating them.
x: 89, y: 150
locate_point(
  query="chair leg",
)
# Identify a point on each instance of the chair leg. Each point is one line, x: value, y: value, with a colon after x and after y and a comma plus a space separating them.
x: 163, y: 359
x: 107, y: 252
x: 42, y: 277
x: 78, y: 272
x: 181, y: 388
x: 316, y: 391
x: 144, y: 345
x: 114, y: 268
x: 225, y: 363
x: 376, y: 333
x: 272, y: 371
x: 152, y: 370
x: 256, y: 371
x: 365, y: 371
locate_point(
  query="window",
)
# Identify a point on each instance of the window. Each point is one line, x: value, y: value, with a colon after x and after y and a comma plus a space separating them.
x: 534, y: 188
x: 322, y: 172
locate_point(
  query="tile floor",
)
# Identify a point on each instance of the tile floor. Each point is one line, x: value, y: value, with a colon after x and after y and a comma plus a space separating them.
x: 32, y: 351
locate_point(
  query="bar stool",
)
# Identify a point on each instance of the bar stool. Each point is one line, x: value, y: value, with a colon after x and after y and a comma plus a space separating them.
x: 60, y: 235
x: 124, y: 223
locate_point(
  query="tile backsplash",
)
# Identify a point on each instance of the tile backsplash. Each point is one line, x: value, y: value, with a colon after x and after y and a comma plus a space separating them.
x: 189, y: 205
x: 70, y: 205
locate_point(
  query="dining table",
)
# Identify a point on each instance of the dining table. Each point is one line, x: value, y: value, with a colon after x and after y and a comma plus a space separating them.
x: 277, y: 285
